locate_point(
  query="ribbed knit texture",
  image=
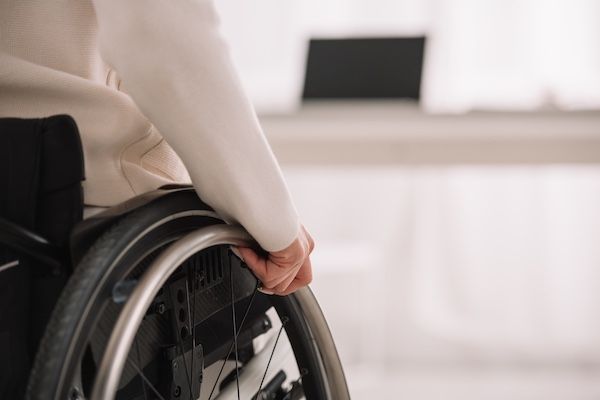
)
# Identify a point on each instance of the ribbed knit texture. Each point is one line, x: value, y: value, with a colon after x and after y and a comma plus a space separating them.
x: 127, y: 70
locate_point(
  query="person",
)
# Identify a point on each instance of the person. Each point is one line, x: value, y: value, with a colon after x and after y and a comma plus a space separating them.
x: 155, y: 94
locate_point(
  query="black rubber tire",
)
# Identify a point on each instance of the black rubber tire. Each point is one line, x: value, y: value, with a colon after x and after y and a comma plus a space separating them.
x: 74, y: 316
x: 67, y: 319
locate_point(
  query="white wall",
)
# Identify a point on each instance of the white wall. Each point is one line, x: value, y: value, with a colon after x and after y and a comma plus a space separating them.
x: 513, y: 54
x: 450, y: 266
x: 438, y: 265
x: 499, y: 54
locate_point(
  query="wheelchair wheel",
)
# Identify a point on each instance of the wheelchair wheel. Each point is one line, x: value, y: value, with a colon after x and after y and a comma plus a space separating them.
x: 160, y: 308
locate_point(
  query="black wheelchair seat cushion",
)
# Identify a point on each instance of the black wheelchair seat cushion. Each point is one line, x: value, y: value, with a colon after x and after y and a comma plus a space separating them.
x: 41, y: 169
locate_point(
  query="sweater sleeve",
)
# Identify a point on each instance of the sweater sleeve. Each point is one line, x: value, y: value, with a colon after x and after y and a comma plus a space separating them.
x: 176, y: 66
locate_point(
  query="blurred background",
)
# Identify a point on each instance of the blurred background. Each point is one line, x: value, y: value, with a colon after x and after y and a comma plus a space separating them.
x: 445, y: 154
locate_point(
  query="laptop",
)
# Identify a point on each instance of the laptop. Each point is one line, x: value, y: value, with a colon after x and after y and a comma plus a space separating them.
x: 364, y: 68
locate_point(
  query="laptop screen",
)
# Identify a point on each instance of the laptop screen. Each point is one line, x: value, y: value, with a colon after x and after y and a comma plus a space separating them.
x: 364, y: 68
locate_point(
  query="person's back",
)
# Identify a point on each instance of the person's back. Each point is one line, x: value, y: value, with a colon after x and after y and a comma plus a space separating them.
x: 50, y: 64
x: 125, y: 70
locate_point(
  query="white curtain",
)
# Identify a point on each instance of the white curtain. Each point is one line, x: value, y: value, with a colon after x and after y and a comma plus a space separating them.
x: 493, y: 54
x: 513, y: 54
x: 505, y: 262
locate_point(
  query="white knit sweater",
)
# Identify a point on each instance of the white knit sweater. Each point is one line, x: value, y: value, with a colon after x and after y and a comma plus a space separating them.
x: 129, y: 69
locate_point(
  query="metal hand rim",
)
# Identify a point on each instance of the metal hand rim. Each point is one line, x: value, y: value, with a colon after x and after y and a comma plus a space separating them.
x: 123, y: 335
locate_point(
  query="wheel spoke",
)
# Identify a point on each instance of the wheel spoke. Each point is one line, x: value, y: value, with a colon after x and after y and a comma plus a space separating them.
x: 137, y: 350
x: 283, y: 322
x: 145, y: 379
x: 236, y: 335
x: 191, y: 322
x: 187, y: 371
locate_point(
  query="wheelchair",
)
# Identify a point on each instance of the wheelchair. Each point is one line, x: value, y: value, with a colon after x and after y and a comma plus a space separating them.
x: 159, y: 307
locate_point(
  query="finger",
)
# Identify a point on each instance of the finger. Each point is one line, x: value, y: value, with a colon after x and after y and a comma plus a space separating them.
x: 268, y: 272
x: 265, y: 291
x: 302, y: 278
x: 236, y: 251
x: 309, y: 239
x: 276, y: 275
x: 294, y: 286
x: 305, y: 272
x: 285, y: 283
x: 257, y: 264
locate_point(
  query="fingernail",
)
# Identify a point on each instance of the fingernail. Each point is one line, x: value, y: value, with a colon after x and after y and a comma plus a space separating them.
x: 265, y: 291
x: 236, y: 251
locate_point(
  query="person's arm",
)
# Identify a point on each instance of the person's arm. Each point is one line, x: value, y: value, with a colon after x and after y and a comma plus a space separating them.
x: 176, y: 66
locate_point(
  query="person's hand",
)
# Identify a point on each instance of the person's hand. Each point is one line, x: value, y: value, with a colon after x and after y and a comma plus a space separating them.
x: 285, y: 271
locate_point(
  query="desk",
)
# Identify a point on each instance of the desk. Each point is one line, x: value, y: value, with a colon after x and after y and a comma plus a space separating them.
x: 395, y: 132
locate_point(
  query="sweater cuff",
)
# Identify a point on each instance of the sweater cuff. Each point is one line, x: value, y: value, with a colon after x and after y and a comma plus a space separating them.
x: 287, y: 233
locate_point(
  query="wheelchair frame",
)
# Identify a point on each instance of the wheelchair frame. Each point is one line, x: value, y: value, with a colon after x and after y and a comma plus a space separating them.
x: 113, y: 361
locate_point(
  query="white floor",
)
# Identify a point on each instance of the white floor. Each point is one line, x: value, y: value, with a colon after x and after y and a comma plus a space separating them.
x: 473, y: 383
